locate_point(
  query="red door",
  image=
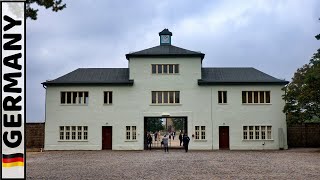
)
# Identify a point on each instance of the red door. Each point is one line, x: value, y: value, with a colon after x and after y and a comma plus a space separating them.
x: 224, y: 137
x: 106, y: 137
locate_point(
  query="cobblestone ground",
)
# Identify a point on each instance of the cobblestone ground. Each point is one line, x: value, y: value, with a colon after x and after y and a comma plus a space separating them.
x: 155, y: 164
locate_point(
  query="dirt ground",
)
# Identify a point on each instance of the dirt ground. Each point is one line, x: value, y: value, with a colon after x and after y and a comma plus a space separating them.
x: 156, y: 164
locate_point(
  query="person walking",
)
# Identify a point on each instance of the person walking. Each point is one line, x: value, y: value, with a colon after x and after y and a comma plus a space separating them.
x: 149, y: 141
x: 180, y: 138
x: 165, y: 143
x: 173, y: 134
x: 155, y: 136
x: 186, y: 140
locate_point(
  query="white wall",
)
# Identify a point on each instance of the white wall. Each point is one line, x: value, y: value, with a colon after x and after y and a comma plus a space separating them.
x: 132, y: 103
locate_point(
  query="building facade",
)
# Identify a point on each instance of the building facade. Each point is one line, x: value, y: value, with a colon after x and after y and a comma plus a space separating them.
x: 105, y: 108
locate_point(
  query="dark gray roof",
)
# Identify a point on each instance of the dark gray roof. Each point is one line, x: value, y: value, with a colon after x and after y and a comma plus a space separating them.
x: 94, y: 76
x: 165, y: 51
x: 218, y: 76
x: 165, y: 32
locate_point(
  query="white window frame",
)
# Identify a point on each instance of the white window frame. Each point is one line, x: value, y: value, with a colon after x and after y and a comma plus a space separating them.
x: 108, y: 93
x: 200, y: 132
x: 253, y: 97
x: 70, y: 134
x: 131, y: 133
x: 260, y: 132
x: 77, y: 101
x: 224, y: 99
x: 162, y: 95
x: 162, y: 68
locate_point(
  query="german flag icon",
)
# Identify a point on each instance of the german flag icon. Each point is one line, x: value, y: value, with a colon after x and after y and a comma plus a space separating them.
x: 12, y: 160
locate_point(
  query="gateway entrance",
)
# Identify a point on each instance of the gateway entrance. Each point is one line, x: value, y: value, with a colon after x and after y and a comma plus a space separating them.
x: 158, y: 127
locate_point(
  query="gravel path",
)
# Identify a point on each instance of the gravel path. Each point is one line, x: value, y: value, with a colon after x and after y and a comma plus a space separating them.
x: 155, y: 164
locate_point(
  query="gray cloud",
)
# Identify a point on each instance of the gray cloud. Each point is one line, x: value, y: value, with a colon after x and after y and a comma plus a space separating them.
x: 276, y: 37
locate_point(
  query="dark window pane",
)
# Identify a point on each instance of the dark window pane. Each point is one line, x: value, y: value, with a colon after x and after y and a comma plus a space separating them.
x: 154, y: 69
x: 153, y: 97
x: 249, y: 96
x: 74, y: 100
x: 176, y: 68
x: 170, y: 96
x: 224, y: 96
x: 80, y: 97
x: 105, y: 97
x: 244, y: 97
x: 165, y: 69
x: 159, y: 69
x: 170, y: 69
x: 261, y: 96
x: 63, y: 97
x: 255, y: 96
x: 219, y: 96
x: 165, y: 97
x: 160, y: 97
x: 177, y: 97
x: 68, y: 97
x: 86, y: 97
x: 267, y: 96
x: 110, y: 97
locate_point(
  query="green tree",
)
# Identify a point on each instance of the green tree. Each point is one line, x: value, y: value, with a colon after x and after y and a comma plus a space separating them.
x: 54, y: 5
x: 154, y: 124
x: 303, y: 93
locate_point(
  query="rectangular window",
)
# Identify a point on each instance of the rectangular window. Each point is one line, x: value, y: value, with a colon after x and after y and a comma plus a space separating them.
x: 73, y: 133
x: 269, y: 132
x: 245, y: 132
x: 63, y: 98
x: 267, y: 96
x: 171, y: 69
x: 176, y: 68
x: 160, y: 97
x: 197, y: 131
x: 107, y: 97
x: 67, y: 132
x: 160, y: 69
x: 165, y: 68
x: 200, y: 133
x: 134, y: 132
x: 85, y: 132
x: 261, y: 93
x: 154, y: 69
x: 165, y: 97
x: 257, y: 132
x: 250, y: 132
x: 203, y: 132
x: 222, y: 97
x: 244, y: 97
x: 171, y: 99
x: 131, y: 132
x: 79, y: 132
x: 263, y: 132
x: 61, y: 132
x: 128, y: 132
x: 154, y: 97
x: 177, y: 97
x: 74, y: 97
x: 256, y: 97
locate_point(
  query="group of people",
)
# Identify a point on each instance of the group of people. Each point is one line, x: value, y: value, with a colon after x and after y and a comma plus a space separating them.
x: 165, y: 141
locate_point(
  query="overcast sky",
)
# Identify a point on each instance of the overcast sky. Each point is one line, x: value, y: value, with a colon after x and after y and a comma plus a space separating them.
x: 274, y: 36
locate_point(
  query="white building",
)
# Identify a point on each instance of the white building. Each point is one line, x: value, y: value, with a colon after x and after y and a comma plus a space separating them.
x: 105, y: 108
